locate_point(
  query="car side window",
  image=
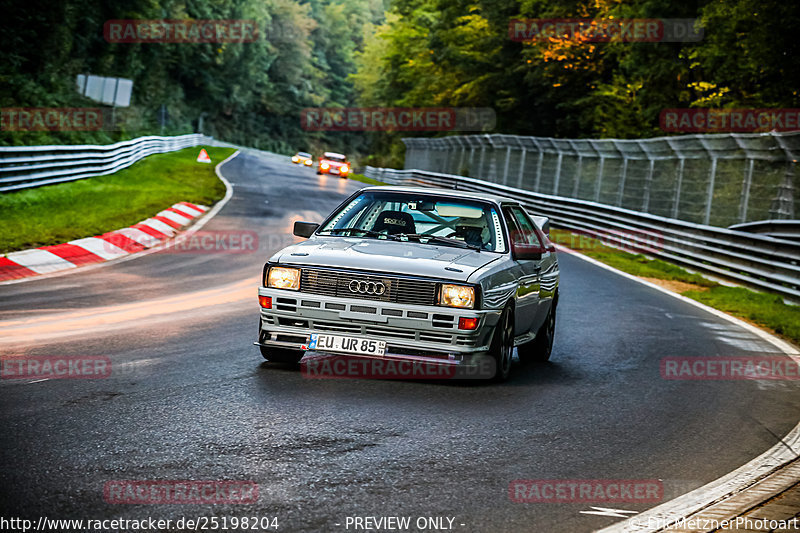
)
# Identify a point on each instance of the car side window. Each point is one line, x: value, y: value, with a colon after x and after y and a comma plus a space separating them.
x: 521, y: 227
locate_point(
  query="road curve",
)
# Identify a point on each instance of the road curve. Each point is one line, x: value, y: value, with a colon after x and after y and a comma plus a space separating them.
x: 191, y: 398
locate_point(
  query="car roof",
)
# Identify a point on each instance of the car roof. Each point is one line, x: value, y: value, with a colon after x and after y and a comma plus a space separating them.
x: 445, y: 192
x: 334, y: 154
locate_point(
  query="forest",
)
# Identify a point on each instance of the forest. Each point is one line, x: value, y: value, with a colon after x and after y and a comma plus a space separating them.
x: 394, y: 53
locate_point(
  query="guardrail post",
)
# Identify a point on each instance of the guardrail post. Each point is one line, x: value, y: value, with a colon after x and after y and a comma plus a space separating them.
x: 578, y: 177
x: 599, y: 181
x: 647, y: 184
x: 710, y: 193
x: 521, y: 167
x: 558, y: 172
x: 678, y: 182
x: 622, y: 181
x: 508, y: 160
x: 746, y: 183
x: 539, y: 170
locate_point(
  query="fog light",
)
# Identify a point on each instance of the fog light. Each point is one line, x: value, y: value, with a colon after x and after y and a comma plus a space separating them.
x: 467, y: 323
x: 265, y: 302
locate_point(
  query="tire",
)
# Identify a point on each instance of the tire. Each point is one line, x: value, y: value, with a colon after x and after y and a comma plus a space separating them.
x: 502, y: 347
x: 539, y: 349
x: 281, y: 355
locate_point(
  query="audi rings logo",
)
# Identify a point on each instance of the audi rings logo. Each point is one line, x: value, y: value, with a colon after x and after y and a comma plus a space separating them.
x: 367, y: 287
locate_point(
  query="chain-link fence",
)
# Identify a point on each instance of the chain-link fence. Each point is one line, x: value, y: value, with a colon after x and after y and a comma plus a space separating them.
x: 720, y: 180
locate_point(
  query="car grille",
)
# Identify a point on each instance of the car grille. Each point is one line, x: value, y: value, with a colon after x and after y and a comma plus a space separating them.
x: 398, y: 290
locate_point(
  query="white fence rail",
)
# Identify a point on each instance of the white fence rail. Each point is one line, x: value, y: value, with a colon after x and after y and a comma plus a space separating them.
x: 22, y: 167
x: 717, y: 180
x: 760, y: 261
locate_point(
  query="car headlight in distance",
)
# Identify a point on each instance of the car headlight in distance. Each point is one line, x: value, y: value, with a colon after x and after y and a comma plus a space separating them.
x: 457, y: 296
x: 324, y: 165
x: 307, y: 162
x: 283, y: 278
x: 295, y: 159
x: 345, y: 169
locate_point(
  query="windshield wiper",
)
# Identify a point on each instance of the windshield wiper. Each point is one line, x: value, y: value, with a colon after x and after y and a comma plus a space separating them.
x: 440, y: 240
x: 366, y: 232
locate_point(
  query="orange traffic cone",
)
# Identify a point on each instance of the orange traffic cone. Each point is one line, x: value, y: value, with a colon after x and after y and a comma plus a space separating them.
x: 202, y: 157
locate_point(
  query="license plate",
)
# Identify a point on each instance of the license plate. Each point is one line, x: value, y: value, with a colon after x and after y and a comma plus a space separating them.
x: 334, y: 171
x: 340, y: 343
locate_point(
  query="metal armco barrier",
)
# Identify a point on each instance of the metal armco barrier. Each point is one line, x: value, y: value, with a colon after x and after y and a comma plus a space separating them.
x: 759, y: 261
x: 22, y: 167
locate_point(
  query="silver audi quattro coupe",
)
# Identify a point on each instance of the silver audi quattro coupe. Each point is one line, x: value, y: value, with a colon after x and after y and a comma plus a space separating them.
x: 433, y: 276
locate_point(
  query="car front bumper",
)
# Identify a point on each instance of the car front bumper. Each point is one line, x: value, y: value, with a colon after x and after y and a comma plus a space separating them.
x: 412, y: 332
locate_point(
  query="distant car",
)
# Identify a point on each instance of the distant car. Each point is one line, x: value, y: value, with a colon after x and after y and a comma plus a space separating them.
x: 333, y: 163
x: 303, y: 158
x: 411, y: 274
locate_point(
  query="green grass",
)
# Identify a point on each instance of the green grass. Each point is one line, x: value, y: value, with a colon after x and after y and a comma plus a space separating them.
x: 766, y: 310
x: 59, y: 213
x: 369, y: 181
x: 760, y: 308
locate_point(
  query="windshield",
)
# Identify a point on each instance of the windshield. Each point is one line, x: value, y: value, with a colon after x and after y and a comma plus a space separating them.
x: 402, y: 216
x: 304, y: 154
x: 334, y: 157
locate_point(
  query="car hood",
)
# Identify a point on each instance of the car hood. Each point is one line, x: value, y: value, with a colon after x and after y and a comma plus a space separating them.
x: 410, y: 258
x: 336, y: 164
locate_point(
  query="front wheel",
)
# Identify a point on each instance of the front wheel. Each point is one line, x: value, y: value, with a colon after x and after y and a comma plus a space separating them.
x: 502, y: 347
x: 281, y: 355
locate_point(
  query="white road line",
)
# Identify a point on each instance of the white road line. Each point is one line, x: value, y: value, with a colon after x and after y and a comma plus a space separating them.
x: 738, y: 480
x: 100, y: 247
x: 40, y: 261
x: 175, y: 217
x: 38, y: 380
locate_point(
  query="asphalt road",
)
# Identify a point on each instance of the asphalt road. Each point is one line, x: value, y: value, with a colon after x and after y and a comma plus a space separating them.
x: 190, y: 397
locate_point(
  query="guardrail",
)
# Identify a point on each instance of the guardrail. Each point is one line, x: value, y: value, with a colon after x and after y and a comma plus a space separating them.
x: 759, y: 261
x: 22, y: 167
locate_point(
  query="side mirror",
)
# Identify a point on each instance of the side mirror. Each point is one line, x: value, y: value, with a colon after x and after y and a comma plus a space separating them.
x: 304, y: 229
x: 522, y: 252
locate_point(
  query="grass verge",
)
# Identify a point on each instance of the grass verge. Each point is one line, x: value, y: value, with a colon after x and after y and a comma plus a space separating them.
x: 762, y: 309
x: 362, y: 178
x: 59, y: 213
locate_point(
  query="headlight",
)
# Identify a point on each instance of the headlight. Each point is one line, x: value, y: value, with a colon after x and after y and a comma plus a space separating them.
x: 457, y: 296
x: 324, y: 165
x: 283, y: 278
x: 307, y: 162
x: 344, y: 169
x: 294, y: 159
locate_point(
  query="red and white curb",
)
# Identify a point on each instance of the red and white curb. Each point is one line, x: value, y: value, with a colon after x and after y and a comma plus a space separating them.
x: 112, y: 245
